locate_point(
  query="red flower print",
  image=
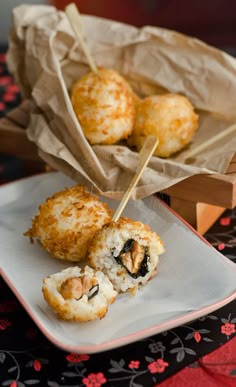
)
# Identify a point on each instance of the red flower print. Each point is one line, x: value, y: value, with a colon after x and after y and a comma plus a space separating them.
x: 37, y: 365
x: 225, y: 221
x: 228, y: 329
x: 4, y: 324
x: 13, y: 384
x: 75, y: 358
x: 197, y: 336
x: 94, y: 380
x: 221, y: 246
x: 134, y: 364
x: 157, y: 366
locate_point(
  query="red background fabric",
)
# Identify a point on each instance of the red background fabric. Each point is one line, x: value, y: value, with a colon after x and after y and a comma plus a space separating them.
x: 213, y: 21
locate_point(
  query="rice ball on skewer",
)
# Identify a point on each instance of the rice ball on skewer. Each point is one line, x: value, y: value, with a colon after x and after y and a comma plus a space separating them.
x: 169, y: 117
x: 66, y: 222
x: 77, y: 294
x: 104, y: 105
x: 127, y: 251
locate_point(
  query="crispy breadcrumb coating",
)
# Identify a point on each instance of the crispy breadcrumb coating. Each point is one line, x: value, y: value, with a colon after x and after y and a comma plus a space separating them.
x: 67, y: 221
x: 104, y: 105
x: 169, y: 117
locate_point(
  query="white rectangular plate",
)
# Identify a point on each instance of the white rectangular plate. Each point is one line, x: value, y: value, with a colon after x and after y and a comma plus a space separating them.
x: 193, y: 278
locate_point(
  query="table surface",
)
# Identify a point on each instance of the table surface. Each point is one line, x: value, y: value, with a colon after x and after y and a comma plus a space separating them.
x: 201, y: 353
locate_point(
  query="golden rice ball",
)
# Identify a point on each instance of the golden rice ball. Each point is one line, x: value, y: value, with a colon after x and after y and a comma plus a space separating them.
x: 169, y: 117
x: 104, y: 105
x: 66, y: 222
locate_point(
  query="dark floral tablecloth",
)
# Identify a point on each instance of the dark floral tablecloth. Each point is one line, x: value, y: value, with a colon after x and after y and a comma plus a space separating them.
x: 202, y: 353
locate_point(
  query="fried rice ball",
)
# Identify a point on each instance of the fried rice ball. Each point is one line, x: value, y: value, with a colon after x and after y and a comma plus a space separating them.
x: 77, y: 294
x: 170, y: 117
x: 127, y: 251
x: 66, y: 222
x: 104, y: 105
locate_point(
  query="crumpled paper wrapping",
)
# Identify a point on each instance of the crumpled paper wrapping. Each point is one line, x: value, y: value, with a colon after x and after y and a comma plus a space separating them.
x: 45, y: 59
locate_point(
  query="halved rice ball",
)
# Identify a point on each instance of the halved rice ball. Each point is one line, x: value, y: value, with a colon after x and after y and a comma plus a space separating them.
x: 66, y: 222
x: 127, y: 251
x: 77, y: 294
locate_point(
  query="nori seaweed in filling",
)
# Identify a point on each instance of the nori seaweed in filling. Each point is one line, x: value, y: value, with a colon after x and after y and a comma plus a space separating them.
x: 143, y: 270
x: 93, y: 291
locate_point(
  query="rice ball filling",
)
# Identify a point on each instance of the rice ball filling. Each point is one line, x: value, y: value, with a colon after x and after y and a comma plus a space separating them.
x: 134, y: 258
x: 77, y: 287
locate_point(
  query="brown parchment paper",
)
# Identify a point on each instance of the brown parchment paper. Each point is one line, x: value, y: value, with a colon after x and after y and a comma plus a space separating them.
x: 46, y: 59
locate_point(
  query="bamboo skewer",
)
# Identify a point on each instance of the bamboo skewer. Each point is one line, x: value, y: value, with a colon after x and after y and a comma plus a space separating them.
x: 74, y: 18
x: 208, y: 143
x: 145, y: 154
